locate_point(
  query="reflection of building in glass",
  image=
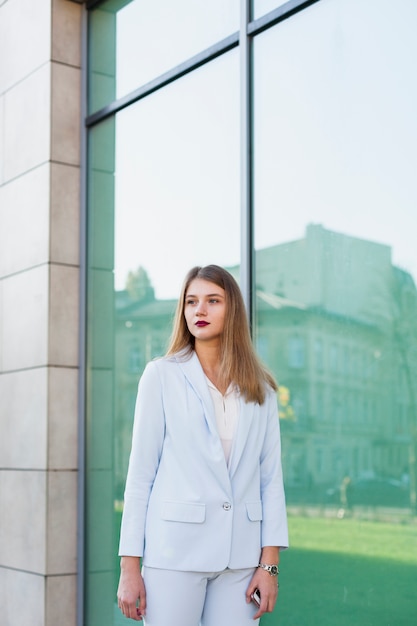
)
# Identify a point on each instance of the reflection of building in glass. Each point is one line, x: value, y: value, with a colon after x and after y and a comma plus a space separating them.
x: 142, y: 330
x: 336, y: 324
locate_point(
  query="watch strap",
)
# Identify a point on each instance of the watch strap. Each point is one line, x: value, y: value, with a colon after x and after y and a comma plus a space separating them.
x: 273, y: 570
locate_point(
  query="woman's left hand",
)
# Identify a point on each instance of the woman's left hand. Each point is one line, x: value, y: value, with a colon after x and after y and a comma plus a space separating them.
x: 268, y: 589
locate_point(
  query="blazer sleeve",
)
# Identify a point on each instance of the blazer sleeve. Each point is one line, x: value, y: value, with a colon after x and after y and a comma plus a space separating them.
x: 274, y: 517
x: 147, y: 442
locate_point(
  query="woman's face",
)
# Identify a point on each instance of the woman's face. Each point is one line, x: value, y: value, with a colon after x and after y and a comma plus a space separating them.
x: 205, y: 310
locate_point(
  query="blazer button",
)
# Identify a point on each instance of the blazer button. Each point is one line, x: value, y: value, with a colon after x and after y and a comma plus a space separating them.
x: 227, y: 506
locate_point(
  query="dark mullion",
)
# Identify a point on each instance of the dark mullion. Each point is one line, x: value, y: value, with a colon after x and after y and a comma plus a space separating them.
x: 195, y: 62
x: 246, y: 196
x: 82, y: 343
x: 278, y: 15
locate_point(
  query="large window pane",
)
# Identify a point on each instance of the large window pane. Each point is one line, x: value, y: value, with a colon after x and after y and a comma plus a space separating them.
x: 336, y: 312
x: 163, y: 197
x: 134, y: 41
x: 261, y: 7
x: 177, y: 168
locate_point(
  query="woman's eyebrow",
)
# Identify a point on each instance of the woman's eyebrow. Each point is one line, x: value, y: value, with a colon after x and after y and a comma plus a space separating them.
x: 207, y: 295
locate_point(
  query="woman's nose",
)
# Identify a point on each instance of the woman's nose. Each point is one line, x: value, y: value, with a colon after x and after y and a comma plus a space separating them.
x: 201, y: 308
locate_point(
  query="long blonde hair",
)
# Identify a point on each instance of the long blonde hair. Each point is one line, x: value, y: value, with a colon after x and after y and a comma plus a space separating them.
x: 238, y: 360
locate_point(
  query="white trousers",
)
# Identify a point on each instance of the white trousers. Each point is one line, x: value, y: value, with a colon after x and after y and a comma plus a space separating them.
x: 198, y: 598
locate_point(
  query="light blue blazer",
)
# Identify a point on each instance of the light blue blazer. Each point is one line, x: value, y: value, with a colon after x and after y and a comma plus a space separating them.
x: 184, y: 508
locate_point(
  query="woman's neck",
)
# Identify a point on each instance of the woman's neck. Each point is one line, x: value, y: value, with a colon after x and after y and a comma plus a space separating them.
x: 209, y: 357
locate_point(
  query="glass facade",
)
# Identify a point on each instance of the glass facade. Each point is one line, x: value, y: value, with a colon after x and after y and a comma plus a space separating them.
x: 331, y: 200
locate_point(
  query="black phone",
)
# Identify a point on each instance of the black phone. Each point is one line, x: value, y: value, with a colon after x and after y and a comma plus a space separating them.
x: 256, y: 597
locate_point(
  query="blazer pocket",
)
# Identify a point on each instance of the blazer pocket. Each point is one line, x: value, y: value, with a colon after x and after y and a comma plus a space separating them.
x: 254, y: 510
x: 184, y: 512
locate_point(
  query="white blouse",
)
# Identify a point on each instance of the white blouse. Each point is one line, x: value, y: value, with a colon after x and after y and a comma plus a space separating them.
x: 226, y: 408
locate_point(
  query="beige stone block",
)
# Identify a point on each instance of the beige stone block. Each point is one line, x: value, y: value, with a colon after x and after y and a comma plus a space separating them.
x: 25, y: 35
x: 23, y: 520
x: 66, y: 114
x: 66, y: 32
x: 62, y: 418
x: 24, y: 319
x: 23, y: 419
x: 27, y: 123
x: 61, y: 601
x: 24, y: 221
x: 17, y: 607
x: 61, y: 533
x: 63, y: 322
x: 65, y: 214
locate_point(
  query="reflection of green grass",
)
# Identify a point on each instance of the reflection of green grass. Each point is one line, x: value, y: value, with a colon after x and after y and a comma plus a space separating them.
x: 345, y: 572
x: 118, y: 521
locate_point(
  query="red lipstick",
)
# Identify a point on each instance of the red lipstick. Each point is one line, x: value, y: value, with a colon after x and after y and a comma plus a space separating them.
x: 201, y: 323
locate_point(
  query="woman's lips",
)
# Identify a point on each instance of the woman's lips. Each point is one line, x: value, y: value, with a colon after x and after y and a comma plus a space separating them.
x: 200, y: 324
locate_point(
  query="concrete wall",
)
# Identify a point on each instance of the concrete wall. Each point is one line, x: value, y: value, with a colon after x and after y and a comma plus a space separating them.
x: 40, y: 59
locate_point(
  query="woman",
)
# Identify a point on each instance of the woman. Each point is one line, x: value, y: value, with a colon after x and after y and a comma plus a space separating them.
x: 204, y: 501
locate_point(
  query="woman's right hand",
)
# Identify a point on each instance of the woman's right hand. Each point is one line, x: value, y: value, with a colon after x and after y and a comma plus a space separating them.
x: 131, y: 593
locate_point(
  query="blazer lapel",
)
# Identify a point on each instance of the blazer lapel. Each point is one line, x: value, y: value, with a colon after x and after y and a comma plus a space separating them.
x: 242, y: 432
x: 194, y: 373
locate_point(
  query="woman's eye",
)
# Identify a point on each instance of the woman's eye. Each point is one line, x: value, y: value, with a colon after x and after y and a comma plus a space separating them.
x: 213, y: 301
x: 190, y: 302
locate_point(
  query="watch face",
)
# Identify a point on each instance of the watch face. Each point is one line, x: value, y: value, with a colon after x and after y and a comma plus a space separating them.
x: 274, y: 570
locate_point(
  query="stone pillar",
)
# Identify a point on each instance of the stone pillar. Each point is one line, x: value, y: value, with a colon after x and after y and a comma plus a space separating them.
x: 40, y: 117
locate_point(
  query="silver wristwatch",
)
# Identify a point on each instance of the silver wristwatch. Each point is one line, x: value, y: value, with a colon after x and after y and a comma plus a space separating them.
x: 271, y: 569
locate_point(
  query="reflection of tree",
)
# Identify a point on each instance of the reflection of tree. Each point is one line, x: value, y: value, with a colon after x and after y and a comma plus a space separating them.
x: 138, y: 285
x: 397, y: 317
x: 286, y: 412
x: 337, y: 322
x: 142, y: 329
x: 404, y: 332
